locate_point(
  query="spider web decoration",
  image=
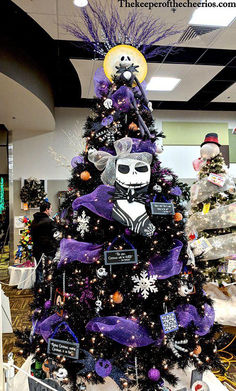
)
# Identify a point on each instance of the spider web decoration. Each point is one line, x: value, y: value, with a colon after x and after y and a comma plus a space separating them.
x: 105, y: 30
x: 144, y: 284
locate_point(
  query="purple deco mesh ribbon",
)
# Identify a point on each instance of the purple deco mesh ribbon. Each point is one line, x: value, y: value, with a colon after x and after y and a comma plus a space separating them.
x: 84, y: 252
x: 137, y: 147
x: 187, y: 313
x: 98, y: 202
x: 165, y: 267
x: 46, y: 328
x: 124, y: 331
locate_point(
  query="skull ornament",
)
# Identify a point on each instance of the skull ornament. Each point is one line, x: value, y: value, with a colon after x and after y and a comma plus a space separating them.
x: 101, y: 272
x: 125, y: 61
x: 131, y: 173
x: 61, y: 374
x: 186, y: 288
x: 103, y: 367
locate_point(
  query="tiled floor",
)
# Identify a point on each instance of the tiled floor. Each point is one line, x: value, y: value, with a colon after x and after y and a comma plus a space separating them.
x: 20, y: 313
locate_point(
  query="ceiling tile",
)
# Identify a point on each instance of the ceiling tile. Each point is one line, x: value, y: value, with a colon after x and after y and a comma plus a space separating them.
x: 228, y: 95
x: 226, y: 40
x: 48, y: 23
x: 193, y: 78
x: 38, y: 6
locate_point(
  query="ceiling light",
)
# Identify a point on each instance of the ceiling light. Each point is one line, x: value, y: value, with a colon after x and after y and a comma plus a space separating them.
x: 217, y: 16
x: 162, y: 83
x: 80, y: 3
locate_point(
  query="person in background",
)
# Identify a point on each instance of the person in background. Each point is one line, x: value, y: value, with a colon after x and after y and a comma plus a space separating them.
x: 44, y: 231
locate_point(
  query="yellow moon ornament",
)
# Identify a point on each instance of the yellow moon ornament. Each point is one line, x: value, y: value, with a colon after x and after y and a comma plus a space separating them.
x: 113, y: 60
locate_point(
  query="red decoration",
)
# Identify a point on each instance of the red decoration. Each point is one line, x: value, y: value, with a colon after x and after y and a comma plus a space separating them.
x: 85, y: 175
x: 192, y: 236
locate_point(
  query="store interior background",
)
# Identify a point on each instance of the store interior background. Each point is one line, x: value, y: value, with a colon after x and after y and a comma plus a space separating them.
x: 41, y: 100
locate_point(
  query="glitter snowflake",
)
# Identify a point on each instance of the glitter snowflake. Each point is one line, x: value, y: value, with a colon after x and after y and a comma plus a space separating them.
x: 144, y: 284
x: 83, y: 225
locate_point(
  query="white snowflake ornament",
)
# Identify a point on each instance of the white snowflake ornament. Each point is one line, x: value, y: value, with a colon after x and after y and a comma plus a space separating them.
x: 144, y: 284
x: 83, y: 225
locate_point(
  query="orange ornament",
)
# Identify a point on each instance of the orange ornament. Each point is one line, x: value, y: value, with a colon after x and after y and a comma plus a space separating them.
x: 117, y: 297
x: 178, y: 216
x: 197, y: 350
x: 85, y: 175
x: 133, y: 127
x: 45, y: 366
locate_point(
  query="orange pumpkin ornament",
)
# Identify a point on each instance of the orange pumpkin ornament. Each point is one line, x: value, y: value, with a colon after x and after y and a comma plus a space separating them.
x: 133, y: 127
x: 197, y: 350
x: 85, y: 175
x: 178, y: 216
x: 117, y: 297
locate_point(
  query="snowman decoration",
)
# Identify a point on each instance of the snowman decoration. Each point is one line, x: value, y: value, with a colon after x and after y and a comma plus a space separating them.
x: 210, y: 148
x: 130, y: 66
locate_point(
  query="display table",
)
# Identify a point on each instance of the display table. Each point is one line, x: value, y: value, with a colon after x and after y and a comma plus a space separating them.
x: 22, y: 277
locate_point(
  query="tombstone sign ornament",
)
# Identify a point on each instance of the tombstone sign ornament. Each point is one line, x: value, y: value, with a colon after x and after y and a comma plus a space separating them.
x: 118, y: 257
x: 162, y: 208
x: 63, y: 348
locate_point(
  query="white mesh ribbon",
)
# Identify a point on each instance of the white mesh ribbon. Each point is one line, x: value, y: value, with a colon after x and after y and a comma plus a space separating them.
x: 107, y: 162
x: 203, y: 189
x: 222, y: 246
x: 220, y: 217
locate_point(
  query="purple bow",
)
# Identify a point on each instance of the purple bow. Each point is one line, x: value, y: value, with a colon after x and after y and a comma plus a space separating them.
x: 72, y: 250
x: 98, y: 202
x: 165, y: 267
x: 187, y: 313
x: 47, y: 327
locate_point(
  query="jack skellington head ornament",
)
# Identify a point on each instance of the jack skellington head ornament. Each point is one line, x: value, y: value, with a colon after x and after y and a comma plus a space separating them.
x: 130, y: 173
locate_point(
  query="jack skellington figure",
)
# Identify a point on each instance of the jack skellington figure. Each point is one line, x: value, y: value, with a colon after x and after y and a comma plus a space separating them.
x: 130, y: 173
x: 130, y: 65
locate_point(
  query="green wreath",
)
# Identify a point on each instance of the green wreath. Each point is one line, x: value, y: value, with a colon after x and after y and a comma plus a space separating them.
x: 32, y: 192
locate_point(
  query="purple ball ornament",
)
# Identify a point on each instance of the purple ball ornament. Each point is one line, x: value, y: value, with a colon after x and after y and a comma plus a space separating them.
x: 127, y: 232
x: 77, y: 160
x: 176, y: 191
x: 154, y: 374
x: 47, y: 304
x: 103, y: 367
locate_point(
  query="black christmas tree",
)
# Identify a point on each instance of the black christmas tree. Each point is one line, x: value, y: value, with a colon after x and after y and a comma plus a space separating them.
x: 123, y: 296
